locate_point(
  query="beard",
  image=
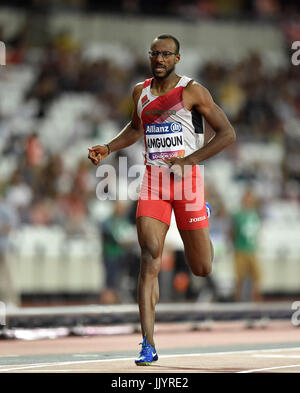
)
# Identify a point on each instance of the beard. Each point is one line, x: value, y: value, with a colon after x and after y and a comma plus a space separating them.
x: 168, y: 72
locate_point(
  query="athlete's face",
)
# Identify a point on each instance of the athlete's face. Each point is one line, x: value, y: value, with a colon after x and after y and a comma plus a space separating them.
x: 163, y: 59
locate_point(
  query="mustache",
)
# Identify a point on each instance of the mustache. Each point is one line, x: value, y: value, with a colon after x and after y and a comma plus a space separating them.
x: 168, y: 72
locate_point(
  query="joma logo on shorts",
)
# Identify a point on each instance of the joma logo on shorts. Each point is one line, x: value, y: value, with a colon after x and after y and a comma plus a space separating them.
x: 196, y: 219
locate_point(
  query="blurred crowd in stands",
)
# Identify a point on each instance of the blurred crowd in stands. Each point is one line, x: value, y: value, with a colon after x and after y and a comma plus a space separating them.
x: 263, y: 106
x: 190, y: 9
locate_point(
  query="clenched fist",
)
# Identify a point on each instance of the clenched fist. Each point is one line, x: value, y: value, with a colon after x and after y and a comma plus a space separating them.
x: 98, y: 153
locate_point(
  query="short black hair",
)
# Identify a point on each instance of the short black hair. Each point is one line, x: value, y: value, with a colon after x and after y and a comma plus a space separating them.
x: 171, y: 37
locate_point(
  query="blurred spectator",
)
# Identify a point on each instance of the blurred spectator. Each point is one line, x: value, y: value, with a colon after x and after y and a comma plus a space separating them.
x: 19, y: 194
x: 245, y: 230
x: 74, y: 208
x: 34, y: 150
x: 117, y: 235
x: 18, y: 46
x: 2, y: 33
x: 41, y: 213
x: 8, y: 222
x: 267, y: 8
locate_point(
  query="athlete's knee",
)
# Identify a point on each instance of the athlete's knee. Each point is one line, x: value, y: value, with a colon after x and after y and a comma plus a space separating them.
x: 150, y: 260
x: 202, y: 269
x: 150, y: 250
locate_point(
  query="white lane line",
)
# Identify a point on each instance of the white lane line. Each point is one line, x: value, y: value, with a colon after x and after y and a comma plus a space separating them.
x: 34, y: 365
x: 267, y: 368
x: 275, y: 356
x: 55, y: 364
x: 74, y: 370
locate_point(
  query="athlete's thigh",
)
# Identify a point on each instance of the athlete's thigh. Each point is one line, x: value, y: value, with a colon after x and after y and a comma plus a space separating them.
x: 151, y: 234
x: 197, y: 248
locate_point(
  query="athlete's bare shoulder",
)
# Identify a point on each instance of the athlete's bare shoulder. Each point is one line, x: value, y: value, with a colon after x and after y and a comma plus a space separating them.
x: 137, y: 90
x: 196, y: 94
x: 194, y: 87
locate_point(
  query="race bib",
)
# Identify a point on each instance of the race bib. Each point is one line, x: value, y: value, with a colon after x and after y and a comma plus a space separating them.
x: 164, y: 140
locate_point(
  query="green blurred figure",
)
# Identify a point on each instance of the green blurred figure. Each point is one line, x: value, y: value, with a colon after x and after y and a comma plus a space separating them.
x: 245, y: 229
x: 118, y: 235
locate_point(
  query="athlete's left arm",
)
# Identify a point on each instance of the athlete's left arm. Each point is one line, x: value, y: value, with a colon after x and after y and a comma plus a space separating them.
x: 198, y: 97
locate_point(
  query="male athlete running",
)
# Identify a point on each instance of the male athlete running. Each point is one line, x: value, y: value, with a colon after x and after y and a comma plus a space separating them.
x: 170, y: 112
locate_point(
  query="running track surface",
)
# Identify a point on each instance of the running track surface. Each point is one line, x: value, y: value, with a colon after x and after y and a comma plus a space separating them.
x: 227, y: 348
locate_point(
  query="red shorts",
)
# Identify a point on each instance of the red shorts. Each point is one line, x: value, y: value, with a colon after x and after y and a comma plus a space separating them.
x: 161, y: 192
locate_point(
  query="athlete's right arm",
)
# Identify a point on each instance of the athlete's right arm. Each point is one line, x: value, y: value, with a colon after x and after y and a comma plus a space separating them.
x: 130, y: 134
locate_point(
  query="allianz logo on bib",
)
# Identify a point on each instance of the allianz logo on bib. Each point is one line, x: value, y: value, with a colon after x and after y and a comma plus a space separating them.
x: 163, y: 128
x: 197, y: 219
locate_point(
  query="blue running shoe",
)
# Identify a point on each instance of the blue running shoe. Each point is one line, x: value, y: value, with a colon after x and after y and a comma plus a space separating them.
x: 147, y: 355
x: 208, y: 210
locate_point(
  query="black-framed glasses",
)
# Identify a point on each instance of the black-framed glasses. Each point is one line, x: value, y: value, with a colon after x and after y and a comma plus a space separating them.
x: 165, y: 54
